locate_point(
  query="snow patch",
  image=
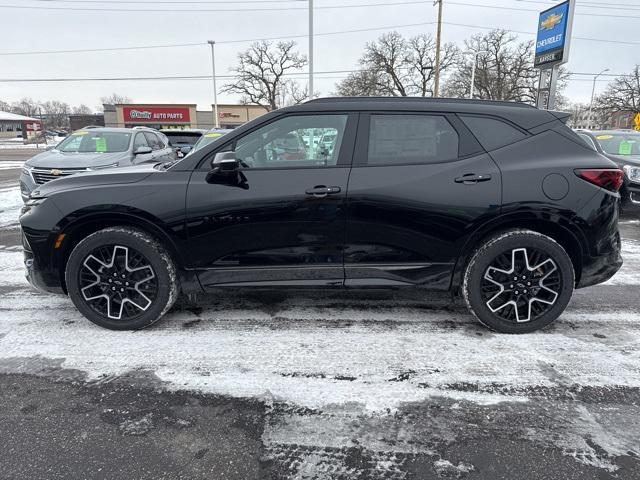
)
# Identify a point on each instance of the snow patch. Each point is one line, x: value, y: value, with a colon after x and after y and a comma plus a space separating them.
x: 10, y: 205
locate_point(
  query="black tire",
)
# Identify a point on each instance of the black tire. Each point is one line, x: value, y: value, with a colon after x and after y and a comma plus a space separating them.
x: 490, y: 292
x: 148, y: 295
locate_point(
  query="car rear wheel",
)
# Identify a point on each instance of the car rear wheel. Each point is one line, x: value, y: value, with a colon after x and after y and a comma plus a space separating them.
x: 121, y: 278
x: 518, y: 281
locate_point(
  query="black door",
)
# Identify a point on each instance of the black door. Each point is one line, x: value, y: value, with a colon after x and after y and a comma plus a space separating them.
x: 419, y: 186
x: 284, y: 222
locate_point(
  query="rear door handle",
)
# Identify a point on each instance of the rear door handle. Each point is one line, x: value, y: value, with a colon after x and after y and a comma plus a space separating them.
x: 322, y: 191
x: 471, y: 178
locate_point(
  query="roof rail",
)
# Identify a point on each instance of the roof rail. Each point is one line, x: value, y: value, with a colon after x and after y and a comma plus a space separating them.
x: 420, y: 99
x: 88, y: 127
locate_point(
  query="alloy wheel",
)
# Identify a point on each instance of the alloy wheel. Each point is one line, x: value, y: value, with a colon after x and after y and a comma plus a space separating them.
x: 521, y: 285
x: 117, y: 282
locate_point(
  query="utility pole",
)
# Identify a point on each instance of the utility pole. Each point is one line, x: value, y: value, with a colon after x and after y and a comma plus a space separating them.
x: 310, y: 49
x: 436, y: 82
x: 593, y: 93
x: 216, y: 121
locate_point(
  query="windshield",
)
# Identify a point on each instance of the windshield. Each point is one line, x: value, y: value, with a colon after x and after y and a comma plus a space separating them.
x: 208, y: 138
x: 95, y: 142
x: 623, y: 143
x: 183, y: 138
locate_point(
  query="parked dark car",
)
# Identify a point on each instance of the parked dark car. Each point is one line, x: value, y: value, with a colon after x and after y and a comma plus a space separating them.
x: 183, y: 140
x: 94, y: 148
x: 498, y: 202
x: 623, y: 147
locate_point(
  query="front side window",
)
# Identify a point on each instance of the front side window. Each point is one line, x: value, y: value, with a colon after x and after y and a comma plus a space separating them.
x: 95, y: 142
x: 405, y: 139
x: 295, y: 141
x: 140, y: 141
x: 620, y: 143
x: 154, y: 141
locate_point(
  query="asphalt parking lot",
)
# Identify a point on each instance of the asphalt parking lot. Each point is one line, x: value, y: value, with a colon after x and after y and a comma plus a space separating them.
x: 316, y: 384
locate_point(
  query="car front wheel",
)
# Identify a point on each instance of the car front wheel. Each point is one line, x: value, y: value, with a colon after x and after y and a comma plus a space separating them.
x: 121, y: 278
x: 518, y: 281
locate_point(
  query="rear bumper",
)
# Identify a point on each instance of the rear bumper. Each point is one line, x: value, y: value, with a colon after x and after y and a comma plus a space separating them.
x: 600, y: 268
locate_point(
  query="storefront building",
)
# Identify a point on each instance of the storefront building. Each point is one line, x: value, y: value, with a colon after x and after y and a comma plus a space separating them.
x: 179, y: 116
x: 13, y: 125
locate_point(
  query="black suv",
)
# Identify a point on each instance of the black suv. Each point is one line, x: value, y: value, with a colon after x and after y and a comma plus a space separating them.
x: 498, y: 202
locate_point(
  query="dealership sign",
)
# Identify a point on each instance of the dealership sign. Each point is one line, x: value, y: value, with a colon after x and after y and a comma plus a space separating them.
x: 168, y: 115
x: 554, y: 35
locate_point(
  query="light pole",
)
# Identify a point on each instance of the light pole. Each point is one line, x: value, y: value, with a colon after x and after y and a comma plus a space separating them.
x: 593, y: 92
x: 215, y: 88
x: 310, y: 49
x: 436, y: 80
x: 473, y: 70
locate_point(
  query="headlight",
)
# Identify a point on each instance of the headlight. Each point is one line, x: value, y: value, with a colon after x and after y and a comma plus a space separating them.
x: 633, y: 173
x: 26, y: 170
x: 102, y: 167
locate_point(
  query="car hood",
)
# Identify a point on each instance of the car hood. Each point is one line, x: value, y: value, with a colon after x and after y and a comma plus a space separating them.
x: 57, y: 159
x: 109, y: 176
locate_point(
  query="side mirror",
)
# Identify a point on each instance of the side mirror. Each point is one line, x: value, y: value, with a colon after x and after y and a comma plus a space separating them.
x: 186, y: 149
x: 143, y: 150
x: 225, y: 162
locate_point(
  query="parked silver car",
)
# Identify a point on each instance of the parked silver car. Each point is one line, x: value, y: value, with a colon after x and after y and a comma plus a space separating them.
x: 94, y: 149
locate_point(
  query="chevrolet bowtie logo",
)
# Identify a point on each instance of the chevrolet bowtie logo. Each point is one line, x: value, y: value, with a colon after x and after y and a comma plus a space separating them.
x: 551, y: 21
x: 56, y: 172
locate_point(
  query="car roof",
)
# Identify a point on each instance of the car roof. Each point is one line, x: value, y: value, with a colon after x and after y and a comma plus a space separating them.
x: 522, y: 114
x: 116, y: 129
x: 183, y: 130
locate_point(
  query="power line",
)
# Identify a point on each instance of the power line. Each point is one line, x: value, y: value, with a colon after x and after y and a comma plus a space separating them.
x: 501, y: 7
x: 145, y: 47
x: 590, y: 39
x: 191, y: 10
x: 169, y: 77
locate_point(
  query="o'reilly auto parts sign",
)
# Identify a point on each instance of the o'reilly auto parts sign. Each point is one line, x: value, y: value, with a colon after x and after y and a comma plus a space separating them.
x: 554, y: 35
x: 162, y: 115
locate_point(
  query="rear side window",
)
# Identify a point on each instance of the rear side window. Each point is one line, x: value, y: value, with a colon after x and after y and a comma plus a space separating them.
x: 492, y: 133
x: 402, y: 139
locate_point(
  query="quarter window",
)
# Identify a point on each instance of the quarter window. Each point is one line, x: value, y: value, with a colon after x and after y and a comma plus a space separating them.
x: 295, y: 141
x: 404, y: 139
x: 492, y: 133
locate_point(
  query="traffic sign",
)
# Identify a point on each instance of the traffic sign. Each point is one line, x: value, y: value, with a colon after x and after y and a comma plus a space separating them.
x: 637, y: 121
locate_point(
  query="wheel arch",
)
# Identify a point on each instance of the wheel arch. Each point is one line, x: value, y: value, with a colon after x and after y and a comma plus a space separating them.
x: 556, y: 227
x: 79, y: 225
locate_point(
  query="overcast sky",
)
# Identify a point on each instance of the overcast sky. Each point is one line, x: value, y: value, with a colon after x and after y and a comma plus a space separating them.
x: 37, y: 29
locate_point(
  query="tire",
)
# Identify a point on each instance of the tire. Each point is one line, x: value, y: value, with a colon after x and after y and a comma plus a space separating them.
x: 524, y: 305
x: 141, y: 268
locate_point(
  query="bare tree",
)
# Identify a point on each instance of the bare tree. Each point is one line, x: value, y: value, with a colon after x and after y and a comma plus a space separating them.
x: 82, y: 110
x: 115, y: 99
x: 26, y: 106
x: 4, y: 106
x: 396, y: 66
x: 56, y: 114
x: 261, y: 74
x: 622, y: 94
x: 504, y: 69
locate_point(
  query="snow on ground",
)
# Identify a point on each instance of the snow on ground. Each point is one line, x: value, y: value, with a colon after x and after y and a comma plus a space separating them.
x: 10, y: 205
x: 302, y: 347
x: 11, y: 165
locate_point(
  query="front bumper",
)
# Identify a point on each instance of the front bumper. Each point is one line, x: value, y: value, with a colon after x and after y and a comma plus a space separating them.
x: 39, y: 278
x: 630, y: 199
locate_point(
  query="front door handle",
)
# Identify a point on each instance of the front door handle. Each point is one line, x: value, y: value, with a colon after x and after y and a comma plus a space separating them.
x: 322, y: 191
x: 471, y: 178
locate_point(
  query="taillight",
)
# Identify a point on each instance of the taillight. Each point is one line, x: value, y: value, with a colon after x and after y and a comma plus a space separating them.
x: 608, y: 178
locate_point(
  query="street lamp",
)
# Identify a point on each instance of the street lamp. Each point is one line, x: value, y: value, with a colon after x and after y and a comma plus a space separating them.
x: 215, y: 89
x: 473, y: 70
x: 593, y: 91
